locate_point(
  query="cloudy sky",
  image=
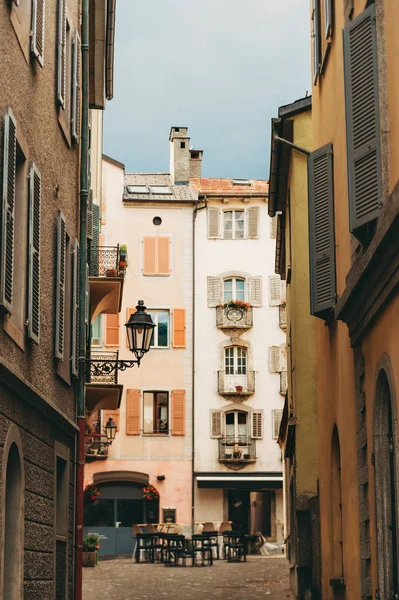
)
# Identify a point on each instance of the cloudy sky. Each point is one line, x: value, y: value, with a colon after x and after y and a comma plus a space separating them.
x: 219, y: 67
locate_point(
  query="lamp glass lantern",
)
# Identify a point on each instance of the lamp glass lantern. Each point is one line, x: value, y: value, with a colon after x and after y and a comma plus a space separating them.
x: 139, y: 331
x: 110, y: 430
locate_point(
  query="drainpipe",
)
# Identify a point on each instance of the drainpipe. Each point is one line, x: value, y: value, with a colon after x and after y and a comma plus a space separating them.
x: 84, y: 193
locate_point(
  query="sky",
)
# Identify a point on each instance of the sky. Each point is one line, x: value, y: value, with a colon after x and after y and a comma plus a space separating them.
x: 219, y: 67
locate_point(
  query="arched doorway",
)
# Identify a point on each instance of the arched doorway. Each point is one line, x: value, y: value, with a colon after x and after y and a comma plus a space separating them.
x: 386, y: 461
x: 336, y: 510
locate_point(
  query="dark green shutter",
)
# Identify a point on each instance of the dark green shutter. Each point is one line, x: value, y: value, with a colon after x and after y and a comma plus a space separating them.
x: 321, y: 232
x: 8, y: 211
x: 75, y: 311
x: 95, y: 241
x: 89, y: 221
x: 35, y: 192
x: 75, y: 110
x: 60, y: 287
x: 362, y: 120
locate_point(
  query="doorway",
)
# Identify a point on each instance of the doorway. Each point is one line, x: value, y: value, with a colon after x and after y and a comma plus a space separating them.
x: 238, y: 510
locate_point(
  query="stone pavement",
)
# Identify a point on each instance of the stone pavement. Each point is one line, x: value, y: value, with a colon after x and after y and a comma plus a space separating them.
x: 121, y: 579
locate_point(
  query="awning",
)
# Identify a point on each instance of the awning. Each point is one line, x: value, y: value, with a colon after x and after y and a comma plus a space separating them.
x: 251, y: 482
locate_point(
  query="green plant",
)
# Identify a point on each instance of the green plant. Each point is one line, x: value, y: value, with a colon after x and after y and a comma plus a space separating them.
x: 240, y: 304
x: 123, y: 248
x: 91, y: 542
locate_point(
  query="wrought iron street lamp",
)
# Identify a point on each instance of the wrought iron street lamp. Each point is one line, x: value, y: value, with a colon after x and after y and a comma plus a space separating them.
x: 110, y: 430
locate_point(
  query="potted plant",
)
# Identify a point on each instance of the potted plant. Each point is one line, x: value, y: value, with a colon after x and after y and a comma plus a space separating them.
x: 110, y: 273
x: 91, y: 544
x: 238, y: 304
x: 150, y: 492
x: 122, y: 252
x: 239, y: 389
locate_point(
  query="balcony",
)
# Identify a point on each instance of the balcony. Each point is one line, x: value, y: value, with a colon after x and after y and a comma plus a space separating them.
x: 102, y: 389
x: 236, y: 384
x: 106, y: 278
x: 96, y: 446
x: 241, y: 449
x: 229, y: 319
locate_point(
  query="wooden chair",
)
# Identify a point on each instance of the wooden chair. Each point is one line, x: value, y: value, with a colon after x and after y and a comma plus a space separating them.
x: 224, y: 526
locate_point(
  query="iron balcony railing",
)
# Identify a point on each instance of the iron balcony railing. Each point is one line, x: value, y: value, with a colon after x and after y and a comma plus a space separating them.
x: 104, y: 262
x: 237, y: 449
x: 236, y: 382
x: 108, y: 373
x: 96, y: 445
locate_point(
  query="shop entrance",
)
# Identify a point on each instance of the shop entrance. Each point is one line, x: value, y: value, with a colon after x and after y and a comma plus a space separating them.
x: 251, y: 512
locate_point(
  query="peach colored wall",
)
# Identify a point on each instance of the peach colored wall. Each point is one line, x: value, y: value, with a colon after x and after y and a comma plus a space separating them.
x: 391, y: 8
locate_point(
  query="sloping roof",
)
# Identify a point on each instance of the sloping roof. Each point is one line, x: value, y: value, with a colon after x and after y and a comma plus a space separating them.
x: 179, y: 193
x: 220, y: 187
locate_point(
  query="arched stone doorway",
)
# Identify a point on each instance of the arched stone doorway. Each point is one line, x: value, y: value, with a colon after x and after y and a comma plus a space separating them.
x: 386, y: 484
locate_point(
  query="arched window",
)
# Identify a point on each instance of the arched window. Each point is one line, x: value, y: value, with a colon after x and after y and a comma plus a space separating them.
x: 233, y: 289
x: 235, y: 360
x: 14, y: 525
x: 236, y: 426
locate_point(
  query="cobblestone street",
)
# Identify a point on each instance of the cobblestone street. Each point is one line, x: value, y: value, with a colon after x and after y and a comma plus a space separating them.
x: 121, y: 579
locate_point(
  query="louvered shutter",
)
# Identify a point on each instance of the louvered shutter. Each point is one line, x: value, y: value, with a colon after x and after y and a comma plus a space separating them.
x: 328, y: 18
x: 213, y: 222
x: 178, y: 411
x: 283, y: 383
x: 75, y: 310
x: 274, y: 359
x: 163, y: 264
x: 216, y: 423
x: 133, y: 412
x: 112, y: 330
x: 362, y: 120
x: 253, y: 218
x: 75, y: 112
x: 321, y: 232
x: 35, y: 191
x: 255, y: 291
x: 87, y: 298
x: 316, y: 39
x: 149, y: 255
x: 60, y: 287
x: 277, y: 415
x: 38, y: 29
x: 129, y: 311
x: 61, y: 53
x: 95, y: 242
x: 273, y: 227
x: 214, y: 291
x: 257, y: 424
x: 115, y: 414
x: 90, y: 222
x: 8, y: 211
x: 274, y: 290
x: 179, y: 328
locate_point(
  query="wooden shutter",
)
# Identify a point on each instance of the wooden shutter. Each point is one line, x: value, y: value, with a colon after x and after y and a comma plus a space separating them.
x: 216, y: 423
x: 149, y: 256
x: 179, y: 328
x: 274, y: 290
x: 213, y: 222
x: 328, y: 18
x: 362, y: 120
x: 214, y: 291
x: 274, y: 359
x: 253, y: 218
x: 87, y: 297
x: 95, y: 242
x: 133, y: 412
x: 129, y: 311
x: 255, y: 291
x: 316, y: 39
x: 60, y: 287
x: 38, y: 29
x: 178, y: 411
x: 115, y: 414
x: 277, y: 415
x: 8, y: 212
x: 273, y: 227
x: 75, y: 112
x: 257, y: 424
x: 61, y: 53
x: 283, y: 383
x: 90, y: 221
x: 112, y: 330
x: 321, y: 232
x: 163, y: 267
x: 75, y: 310
x: 35, y: 192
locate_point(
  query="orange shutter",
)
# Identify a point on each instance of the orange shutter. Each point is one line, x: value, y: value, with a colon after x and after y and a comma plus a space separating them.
x: 179, y: 328
x: 178, y: 411
x: 112, y: 330
x: 133, y: 412
x: 129, y: 311
x: 149, y: 254
x: 115, y: 417
x: 163, y: 256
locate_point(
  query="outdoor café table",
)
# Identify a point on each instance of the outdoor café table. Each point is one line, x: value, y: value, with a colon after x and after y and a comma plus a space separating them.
x: 201, y: 545
x: 173, y: 550
x: 235, y: 546
x: 145, y: 544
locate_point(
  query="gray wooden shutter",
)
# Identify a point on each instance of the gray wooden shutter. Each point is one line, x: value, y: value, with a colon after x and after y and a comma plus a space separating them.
x: 253, y: 218
x: 321, y: 232
x: 75, y: 115
x: 61, y: 53
x: 75, y: 311
x: 316, y: 39
x: 216, y: 423
x: 274, y: 359
x: 89, y: 221
x: 283, y: 383
x: 255, y: 291
x: 60, y: 287
x: 38, y: 28
x: 362, y: 120
x: 8, y: 211
x: 213, y: 291
x: 213, y: 222
x: 274, y: 290
x: 257, y: 424
x: 35, y: 192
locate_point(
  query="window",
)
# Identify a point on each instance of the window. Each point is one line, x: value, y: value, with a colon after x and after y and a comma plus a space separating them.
x: 169, y: 515
x: 160, y: 190
x: 157, y: 221
x: 156, y: 413
x: 277, y: 415
x: 21, y: 19
x: 160, y: 336
x: 316, y: 39
x: 241, y: 182
x: 233, y: 289
x: 233, y: 224
x: 96, y: 331
x: 235, y: 361
x: 182, y: 144
x: 236, y: 426
x: 137, y: 189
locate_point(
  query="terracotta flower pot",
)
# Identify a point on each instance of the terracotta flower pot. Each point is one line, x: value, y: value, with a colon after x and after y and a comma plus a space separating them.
x: 239, y: 388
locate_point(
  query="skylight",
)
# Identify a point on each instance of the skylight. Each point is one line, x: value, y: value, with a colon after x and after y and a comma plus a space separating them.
x: 160, y: 190
x: 241, y: 182
x: 137, y: 189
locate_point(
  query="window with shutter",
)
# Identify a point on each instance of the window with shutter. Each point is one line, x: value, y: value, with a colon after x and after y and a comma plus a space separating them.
x: 35, y: 191
x: 75, y: 311
x: 132, y: 412
x: 60, y: 287
x: 216, y: 423
x: 214, y: 291
x: 274, y: 359
x: 253, y: 218
x: 38, y: 28
x: 277, y: 415
x: 255, y: 291
x: 316, y: 39
x: 75, y: 113
x: 156, y: 256
x: 274, y: 290
x: 8, y: 211
x: 179, y: 328
x: 115, y: 414
x: 61, y: 53
x: 362, y: 121
x: 112, y: 330
x: 257, y: 424
x: 163, y: 256
x: 89, y: 221
x: 178, y: 412
x: 213, y: 222
x: 321, y: 232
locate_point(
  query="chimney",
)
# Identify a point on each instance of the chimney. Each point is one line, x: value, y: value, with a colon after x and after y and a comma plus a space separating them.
x: 195, y: 163
x: 179, y: 155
